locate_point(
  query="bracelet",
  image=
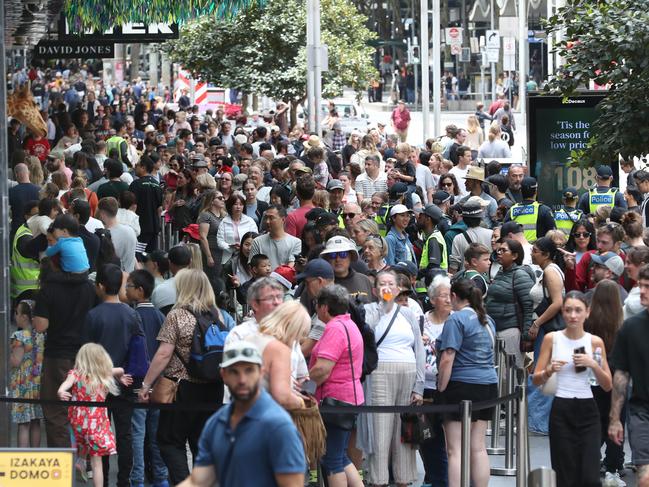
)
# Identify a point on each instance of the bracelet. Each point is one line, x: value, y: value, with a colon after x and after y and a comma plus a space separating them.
x: 146, y: 386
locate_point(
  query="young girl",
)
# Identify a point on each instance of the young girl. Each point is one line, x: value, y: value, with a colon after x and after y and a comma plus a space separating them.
x: 92, y: 379
x: 26, y: 360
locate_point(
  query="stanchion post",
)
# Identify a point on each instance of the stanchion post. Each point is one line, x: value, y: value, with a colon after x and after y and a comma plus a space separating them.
x: 465, y: 464
x: 542, y: 477
x: 509, y: 469
x: 493, y: 448
x: 522, y: 443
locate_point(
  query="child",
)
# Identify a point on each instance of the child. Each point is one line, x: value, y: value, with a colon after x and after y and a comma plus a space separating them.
x: 26, y: 360
x: 259, y: 267
x: 92, y: 379
x: 73, y: 257
x: 139, y: 287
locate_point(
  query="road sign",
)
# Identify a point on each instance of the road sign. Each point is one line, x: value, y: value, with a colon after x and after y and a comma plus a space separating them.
x: 493, y: 55
x: 509, y: 46
x: 36, y: 467
x: 493, y: 39
x: 454, y: 39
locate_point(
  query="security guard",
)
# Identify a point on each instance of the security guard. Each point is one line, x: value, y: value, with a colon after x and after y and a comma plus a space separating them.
x: 116, y: 146
x: 25, y: 268
x: 602, y: 194
x: 396, y: 196
x: 536, y: 218
x: 434, y: 254
x: 567, y: 214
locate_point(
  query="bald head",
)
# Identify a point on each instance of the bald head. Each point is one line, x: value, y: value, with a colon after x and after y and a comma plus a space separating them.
x: 21, y: 171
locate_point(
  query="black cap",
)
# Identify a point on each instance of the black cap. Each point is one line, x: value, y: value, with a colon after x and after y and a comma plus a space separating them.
x: 397, y: 190
x: 441, y: 197
x: 570, y: 193
x: 511, y: 227
x: 326, y: 218
x: 408, y: 268
x: 314, y: 213
x: 604, y: 172
x: 529, y: 183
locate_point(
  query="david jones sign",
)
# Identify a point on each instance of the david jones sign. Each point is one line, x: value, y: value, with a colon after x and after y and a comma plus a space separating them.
x: 72, y: 50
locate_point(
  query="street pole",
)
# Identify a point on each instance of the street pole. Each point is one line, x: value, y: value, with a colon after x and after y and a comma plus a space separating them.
x: 522, y: 55
x: 414, y: 64
x: 437, y: 74
x: 310, y: 68
x: 492, y: 19
x: 317, y: 66
x: 5, y: 315
x: 550, y: 40
x: 423, y: 54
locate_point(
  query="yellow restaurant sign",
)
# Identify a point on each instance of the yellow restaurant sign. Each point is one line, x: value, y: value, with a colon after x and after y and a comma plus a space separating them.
x: 36, y: 467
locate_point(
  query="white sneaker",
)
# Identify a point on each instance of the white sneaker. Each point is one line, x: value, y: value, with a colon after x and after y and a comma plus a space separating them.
x: 613, y: 480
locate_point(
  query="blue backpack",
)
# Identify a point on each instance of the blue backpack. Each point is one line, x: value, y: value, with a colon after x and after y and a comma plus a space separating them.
x: 206, y: 352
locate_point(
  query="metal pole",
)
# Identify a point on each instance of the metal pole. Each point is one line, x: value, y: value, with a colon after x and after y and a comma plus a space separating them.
x: 550, y: 40
x: 465, y: 459
x: 509, y: 469
x: 5, y: 311
x: 493, y: 448
x: 437, y: 75
x: 522, y: 452
x: 423, y: 54
x: 542, y: 477
x: 414, y: 64
x: 310, y: 95
x: 317, y: 65
x: 492, y: 20
x: 522, y: 55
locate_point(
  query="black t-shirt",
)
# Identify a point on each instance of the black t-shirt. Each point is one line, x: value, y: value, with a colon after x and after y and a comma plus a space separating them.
x: 64, y: 299
x: 91, y: 242
x: 112, y: 325
x: 18, y: 196
x: 631, y: 354
x: 358, y: 285
x: 149, y: 198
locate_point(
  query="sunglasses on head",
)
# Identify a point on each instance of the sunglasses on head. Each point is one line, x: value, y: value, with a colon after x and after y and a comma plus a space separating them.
x: 376, y: 238
x: 246, y: 352
x: 333, y: 255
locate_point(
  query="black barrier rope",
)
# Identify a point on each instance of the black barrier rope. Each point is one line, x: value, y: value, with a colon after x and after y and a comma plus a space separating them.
x: 427, y: 408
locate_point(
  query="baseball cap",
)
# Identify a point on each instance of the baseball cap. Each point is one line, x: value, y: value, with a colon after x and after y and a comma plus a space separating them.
x: 471, y: 208
x: 441, y: 197
x: 529, y: 183
x: 570, y: 193
x: 433, y: 212
x: 397, y: 190
x: 340, y: 244
x: 409, y: 268
x: 335, y: 184
x: 511, y: 227
x: 326, y: 218
x: 149, y: 128
x: 604, y: 172
x: 399, y: 209
x: 317, y: 268
x: 610, y: 260
x: 241, y: 351
x: 240, y: 139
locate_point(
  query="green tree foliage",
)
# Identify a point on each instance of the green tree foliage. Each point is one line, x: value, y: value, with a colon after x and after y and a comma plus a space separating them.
x: 608, y: 42
x: 262, y: 50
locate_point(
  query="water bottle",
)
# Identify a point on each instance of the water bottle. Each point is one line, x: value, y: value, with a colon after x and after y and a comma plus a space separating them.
x: 597, y: 355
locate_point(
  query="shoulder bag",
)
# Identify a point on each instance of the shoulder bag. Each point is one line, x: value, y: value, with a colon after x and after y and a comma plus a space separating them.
x: 557, y: 322
x: 342, y: 420
x: 550, y: 386
x: 524, y: 345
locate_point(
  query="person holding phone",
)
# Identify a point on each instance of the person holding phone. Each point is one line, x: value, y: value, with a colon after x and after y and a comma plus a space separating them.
x: 574, y: 419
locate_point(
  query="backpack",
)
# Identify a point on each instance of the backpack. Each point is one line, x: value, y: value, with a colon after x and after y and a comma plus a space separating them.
x: 206, y: 351
x: 370, y: 354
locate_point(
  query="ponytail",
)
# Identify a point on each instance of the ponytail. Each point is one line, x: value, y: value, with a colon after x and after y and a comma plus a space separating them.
x: 467, y: 290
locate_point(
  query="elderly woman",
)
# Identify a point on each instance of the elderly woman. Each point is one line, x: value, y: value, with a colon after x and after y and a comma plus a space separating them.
x: 195, y: 297
x: 397, y: 381
x: 375, y: 250
x: 362, y: 229
x: 466, y: 371
x: 234, y: 226
x: 336, y: 365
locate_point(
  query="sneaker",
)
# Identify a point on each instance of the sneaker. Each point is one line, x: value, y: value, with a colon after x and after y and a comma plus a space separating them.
x: 613, y: 480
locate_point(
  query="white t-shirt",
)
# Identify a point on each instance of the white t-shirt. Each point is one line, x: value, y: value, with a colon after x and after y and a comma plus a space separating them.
x: 459, y: 175
x: 397, y: 346
x: 93, y: 224
x: 424, y: 180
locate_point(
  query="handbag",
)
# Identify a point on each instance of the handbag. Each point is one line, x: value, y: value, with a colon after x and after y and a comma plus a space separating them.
x: 164, y: 390
x: 415, y: 429
x: 557, y: 322
x: 344, y: 421
x: 524, y: 345
x: 550, y: 386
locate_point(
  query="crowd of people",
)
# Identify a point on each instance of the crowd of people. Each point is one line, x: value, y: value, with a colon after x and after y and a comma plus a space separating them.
x: 371, y: 272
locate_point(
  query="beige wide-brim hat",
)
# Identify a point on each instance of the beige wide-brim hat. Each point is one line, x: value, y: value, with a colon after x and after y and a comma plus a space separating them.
x: 476, y: 173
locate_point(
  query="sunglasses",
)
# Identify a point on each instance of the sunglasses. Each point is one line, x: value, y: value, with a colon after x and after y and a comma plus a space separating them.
x: 350, y: 215
x: 220, y: 198
x: 245, y: 352
x: 333, y: 255
x: 582, y: 234
x: 447, y: 185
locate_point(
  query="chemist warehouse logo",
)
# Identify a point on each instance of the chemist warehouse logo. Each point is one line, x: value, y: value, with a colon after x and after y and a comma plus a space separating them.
x: 34, y: 469
x: 572, y: 101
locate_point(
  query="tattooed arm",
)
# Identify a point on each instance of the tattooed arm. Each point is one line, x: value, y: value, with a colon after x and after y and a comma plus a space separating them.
x: 615, y: 427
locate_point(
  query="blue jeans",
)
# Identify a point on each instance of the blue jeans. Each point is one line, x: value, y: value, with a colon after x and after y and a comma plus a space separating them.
x: 145, y: 425
x: 539, y: 405
x: 335, y: 459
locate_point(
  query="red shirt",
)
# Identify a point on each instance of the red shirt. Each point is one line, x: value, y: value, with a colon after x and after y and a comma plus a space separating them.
x: 296, y: 220
x: 38, y: 148
x: 401, y: 118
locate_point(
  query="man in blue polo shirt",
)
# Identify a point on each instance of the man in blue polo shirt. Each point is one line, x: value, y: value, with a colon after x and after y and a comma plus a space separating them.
x: 251, y: 441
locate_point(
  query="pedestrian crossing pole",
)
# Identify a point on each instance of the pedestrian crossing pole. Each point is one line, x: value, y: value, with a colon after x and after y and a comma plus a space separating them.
x: 314, y: 65
x: 437, y: 73
x: 424, y: 55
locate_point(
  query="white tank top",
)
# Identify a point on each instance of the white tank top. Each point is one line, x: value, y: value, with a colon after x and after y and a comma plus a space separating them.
x: 572, y: 384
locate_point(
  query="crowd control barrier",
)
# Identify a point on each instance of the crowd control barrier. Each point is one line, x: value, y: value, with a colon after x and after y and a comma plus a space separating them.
x: 542, y: 477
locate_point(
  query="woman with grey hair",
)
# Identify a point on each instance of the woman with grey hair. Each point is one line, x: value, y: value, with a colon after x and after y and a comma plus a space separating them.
x: 397, y: 381
x: 433, y: 450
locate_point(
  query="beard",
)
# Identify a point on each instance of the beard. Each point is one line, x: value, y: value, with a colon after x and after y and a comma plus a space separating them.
x: 244, y: 397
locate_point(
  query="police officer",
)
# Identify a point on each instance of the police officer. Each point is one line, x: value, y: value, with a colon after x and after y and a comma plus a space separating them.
x: 536, y: 218
x: 602, y: 194
x: 442, y: 200
x: 568, y: 214
x: 396, y: 196
x: 433, y: 254
x: 116, y: 146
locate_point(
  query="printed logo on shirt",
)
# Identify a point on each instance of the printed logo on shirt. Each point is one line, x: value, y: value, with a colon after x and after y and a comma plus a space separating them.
x: 601, y: 199
x: 522, y: 210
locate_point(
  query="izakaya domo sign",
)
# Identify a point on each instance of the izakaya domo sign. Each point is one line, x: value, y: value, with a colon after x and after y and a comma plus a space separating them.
x: 74, y: 49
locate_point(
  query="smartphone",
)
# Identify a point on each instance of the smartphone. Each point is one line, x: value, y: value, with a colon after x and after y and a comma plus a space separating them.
x: 580, y: 350
x: 308, y: 388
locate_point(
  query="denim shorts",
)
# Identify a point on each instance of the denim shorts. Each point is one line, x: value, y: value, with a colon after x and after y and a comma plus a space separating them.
x: 335, y: 459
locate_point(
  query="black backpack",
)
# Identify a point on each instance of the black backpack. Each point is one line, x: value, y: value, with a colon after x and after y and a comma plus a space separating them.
x: 206, y: 351
x: 370, y: 354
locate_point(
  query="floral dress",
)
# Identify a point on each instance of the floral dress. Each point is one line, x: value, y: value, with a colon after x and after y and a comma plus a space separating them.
x: 90, y: 425
x: 25, y: 381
